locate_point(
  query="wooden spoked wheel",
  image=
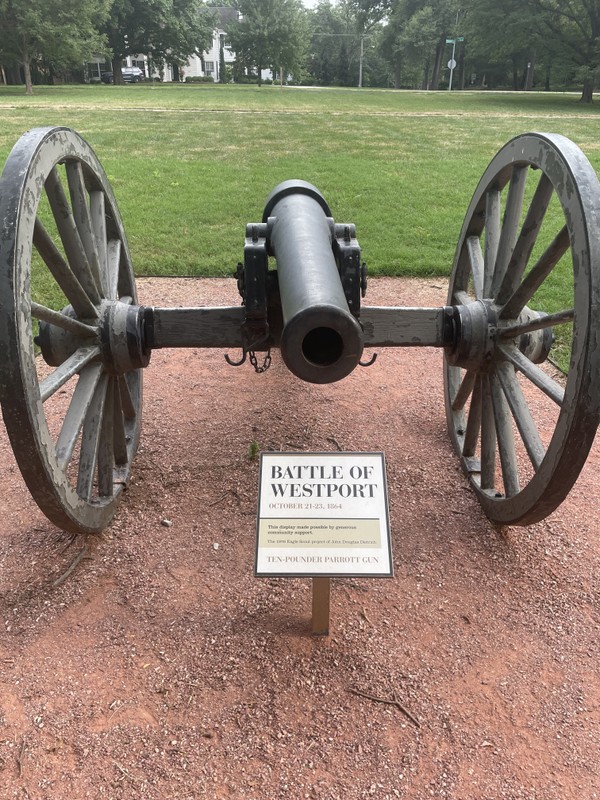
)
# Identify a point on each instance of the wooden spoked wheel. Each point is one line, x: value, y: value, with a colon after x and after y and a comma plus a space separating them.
x: 526, y: 290
x: 70, y: 370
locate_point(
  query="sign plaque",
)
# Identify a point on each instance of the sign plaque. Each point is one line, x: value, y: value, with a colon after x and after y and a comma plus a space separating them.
x: 323, y: 514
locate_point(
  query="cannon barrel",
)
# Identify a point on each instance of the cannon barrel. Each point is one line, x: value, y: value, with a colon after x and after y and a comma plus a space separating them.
x: 321, y: 341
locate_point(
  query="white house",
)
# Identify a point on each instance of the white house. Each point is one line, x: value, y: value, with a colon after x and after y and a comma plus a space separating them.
x: 206, y: 65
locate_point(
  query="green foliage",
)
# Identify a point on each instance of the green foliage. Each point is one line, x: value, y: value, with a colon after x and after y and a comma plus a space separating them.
x: 253, y: 450
x: 63, y: 32
x: 573, y: 29
x: 334, y: 46
x: 506, y: 42
x: 165, y: 29
x: 415, y: 37
x: 270, y: 34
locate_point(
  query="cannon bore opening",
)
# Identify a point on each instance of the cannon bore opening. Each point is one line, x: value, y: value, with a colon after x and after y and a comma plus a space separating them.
x: 322, y: 346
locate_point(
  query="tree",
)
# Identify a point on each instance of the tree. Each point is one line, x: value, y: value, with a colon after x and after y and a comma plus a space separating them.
x: 222, y: 65
x: 509, y: 59
x: 167, y: 30
x: 415, y: 37
x: 573, y: 28
x: 333, y: 40
x: 63, y: 32
x: 270, y: 33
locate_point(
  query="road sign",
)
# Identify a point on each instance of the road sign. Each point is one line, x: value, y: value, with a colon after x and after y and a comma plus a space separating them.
x: 452, y: 64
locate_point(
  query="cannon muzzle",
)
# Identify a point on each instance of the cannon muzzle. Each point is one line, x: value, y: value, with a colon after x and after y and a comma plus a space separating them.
x: 321, y: 341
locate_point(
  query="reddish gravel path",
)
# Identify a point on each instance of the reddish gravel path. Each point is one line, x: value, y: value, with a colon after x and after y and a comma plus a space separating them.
x: 162, y: 669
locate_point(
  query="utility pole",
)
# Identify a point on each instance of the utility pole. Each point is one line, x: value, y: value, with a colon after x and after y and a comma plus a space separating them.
x: 360, y: 61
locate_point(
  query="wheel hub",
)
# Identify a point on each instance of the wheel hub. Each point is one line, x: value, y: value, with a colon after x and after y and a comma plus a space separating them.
x: 477, y: 333
x: 475, y: 337
x: 119, y: 331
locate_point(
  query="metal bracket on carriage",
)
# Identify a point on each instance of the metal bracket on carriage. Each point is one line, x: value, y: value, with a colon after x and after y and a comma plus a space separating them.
x: 253, y: 282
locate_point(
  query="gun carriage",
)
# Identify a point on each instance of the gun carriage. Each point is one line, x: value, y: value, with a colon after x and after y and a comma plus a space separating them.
x: 534, y: 218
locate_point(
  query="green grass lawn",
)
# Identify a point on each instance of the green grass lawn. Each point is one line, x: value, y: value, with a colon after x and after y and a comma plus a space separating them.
x: 191, y: 164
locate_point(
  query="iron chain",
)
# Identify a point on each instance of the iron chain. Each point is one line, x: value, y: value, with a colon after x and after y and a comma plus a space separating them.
x: 266, y: 363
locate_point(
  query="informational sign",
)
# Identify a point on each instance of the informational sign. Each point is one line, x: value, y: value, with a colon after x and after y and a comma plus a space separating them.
x: 323, y: 514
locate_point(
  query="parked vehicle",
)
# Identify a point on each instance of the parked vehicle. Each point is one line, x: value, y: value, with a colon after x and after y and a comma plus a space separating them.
x: 130, y: 75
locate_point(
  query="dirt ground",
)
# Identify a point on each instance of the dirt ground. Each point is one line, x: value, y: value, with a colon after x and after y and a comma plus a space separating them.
x: 161, y: 668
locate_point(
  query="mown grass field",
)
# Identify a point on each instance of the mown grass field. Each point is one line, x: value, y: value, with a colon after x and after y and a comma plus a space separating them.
x: 190, y: 165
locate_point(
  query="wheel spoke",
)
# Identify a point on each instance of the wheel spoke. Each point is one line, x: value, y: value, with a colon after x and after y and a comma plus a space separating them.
x: 62, y: 321
x: 67, y: 229
x: 114, y: 263
x: 510, y: 225
x: 527, y: 238
x: 464, y: 390
x: 77, y: 411
x: 67, y: 369
x: 90, y: 439
x: 536, y: 375
x: 488, y: 438
x: 537, y: 275
x: 492, y: 237
x: 106, y: 453
x: 81, y: 214
x: 477, y: 266
x: 521, y: 414
x: 462, y: 298
x: 98, y: 220
x: 119, y: 437
x: 473, y: 422
x: 547, y: 321
x: 62, y: 273
x: 127, y: 403
x: 505, y: 437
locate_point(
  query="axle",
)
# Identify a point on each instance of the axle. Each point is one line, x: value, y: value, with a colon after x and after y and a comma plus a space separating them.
x: 309, y: 307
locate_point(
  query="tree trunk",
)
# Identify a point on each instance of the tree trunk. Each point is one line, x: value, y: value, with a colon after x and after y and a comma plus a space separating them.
x: 587, y: 94
x: 425, y: 84
x: 461, y: 69
x: 28, y: 81
x: 397, y: 73
x: 437, y: 65
x: 116, y: 70
x: 528, y: 84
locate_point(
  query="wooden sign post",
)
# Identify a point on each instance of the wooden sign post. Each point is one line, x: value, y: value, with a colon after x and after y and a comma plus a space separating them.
x: 323, y: 515
x: 321, y: 595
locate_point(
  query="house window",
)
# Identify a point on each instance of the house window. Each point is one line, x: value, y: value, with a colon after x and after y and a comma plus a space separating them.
x: 96, y: 69
x: 209, y: 68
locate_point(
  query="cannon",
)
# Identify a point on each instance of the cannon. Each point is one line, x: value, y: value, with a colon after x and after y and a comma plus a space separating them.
x: 74, y: 337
